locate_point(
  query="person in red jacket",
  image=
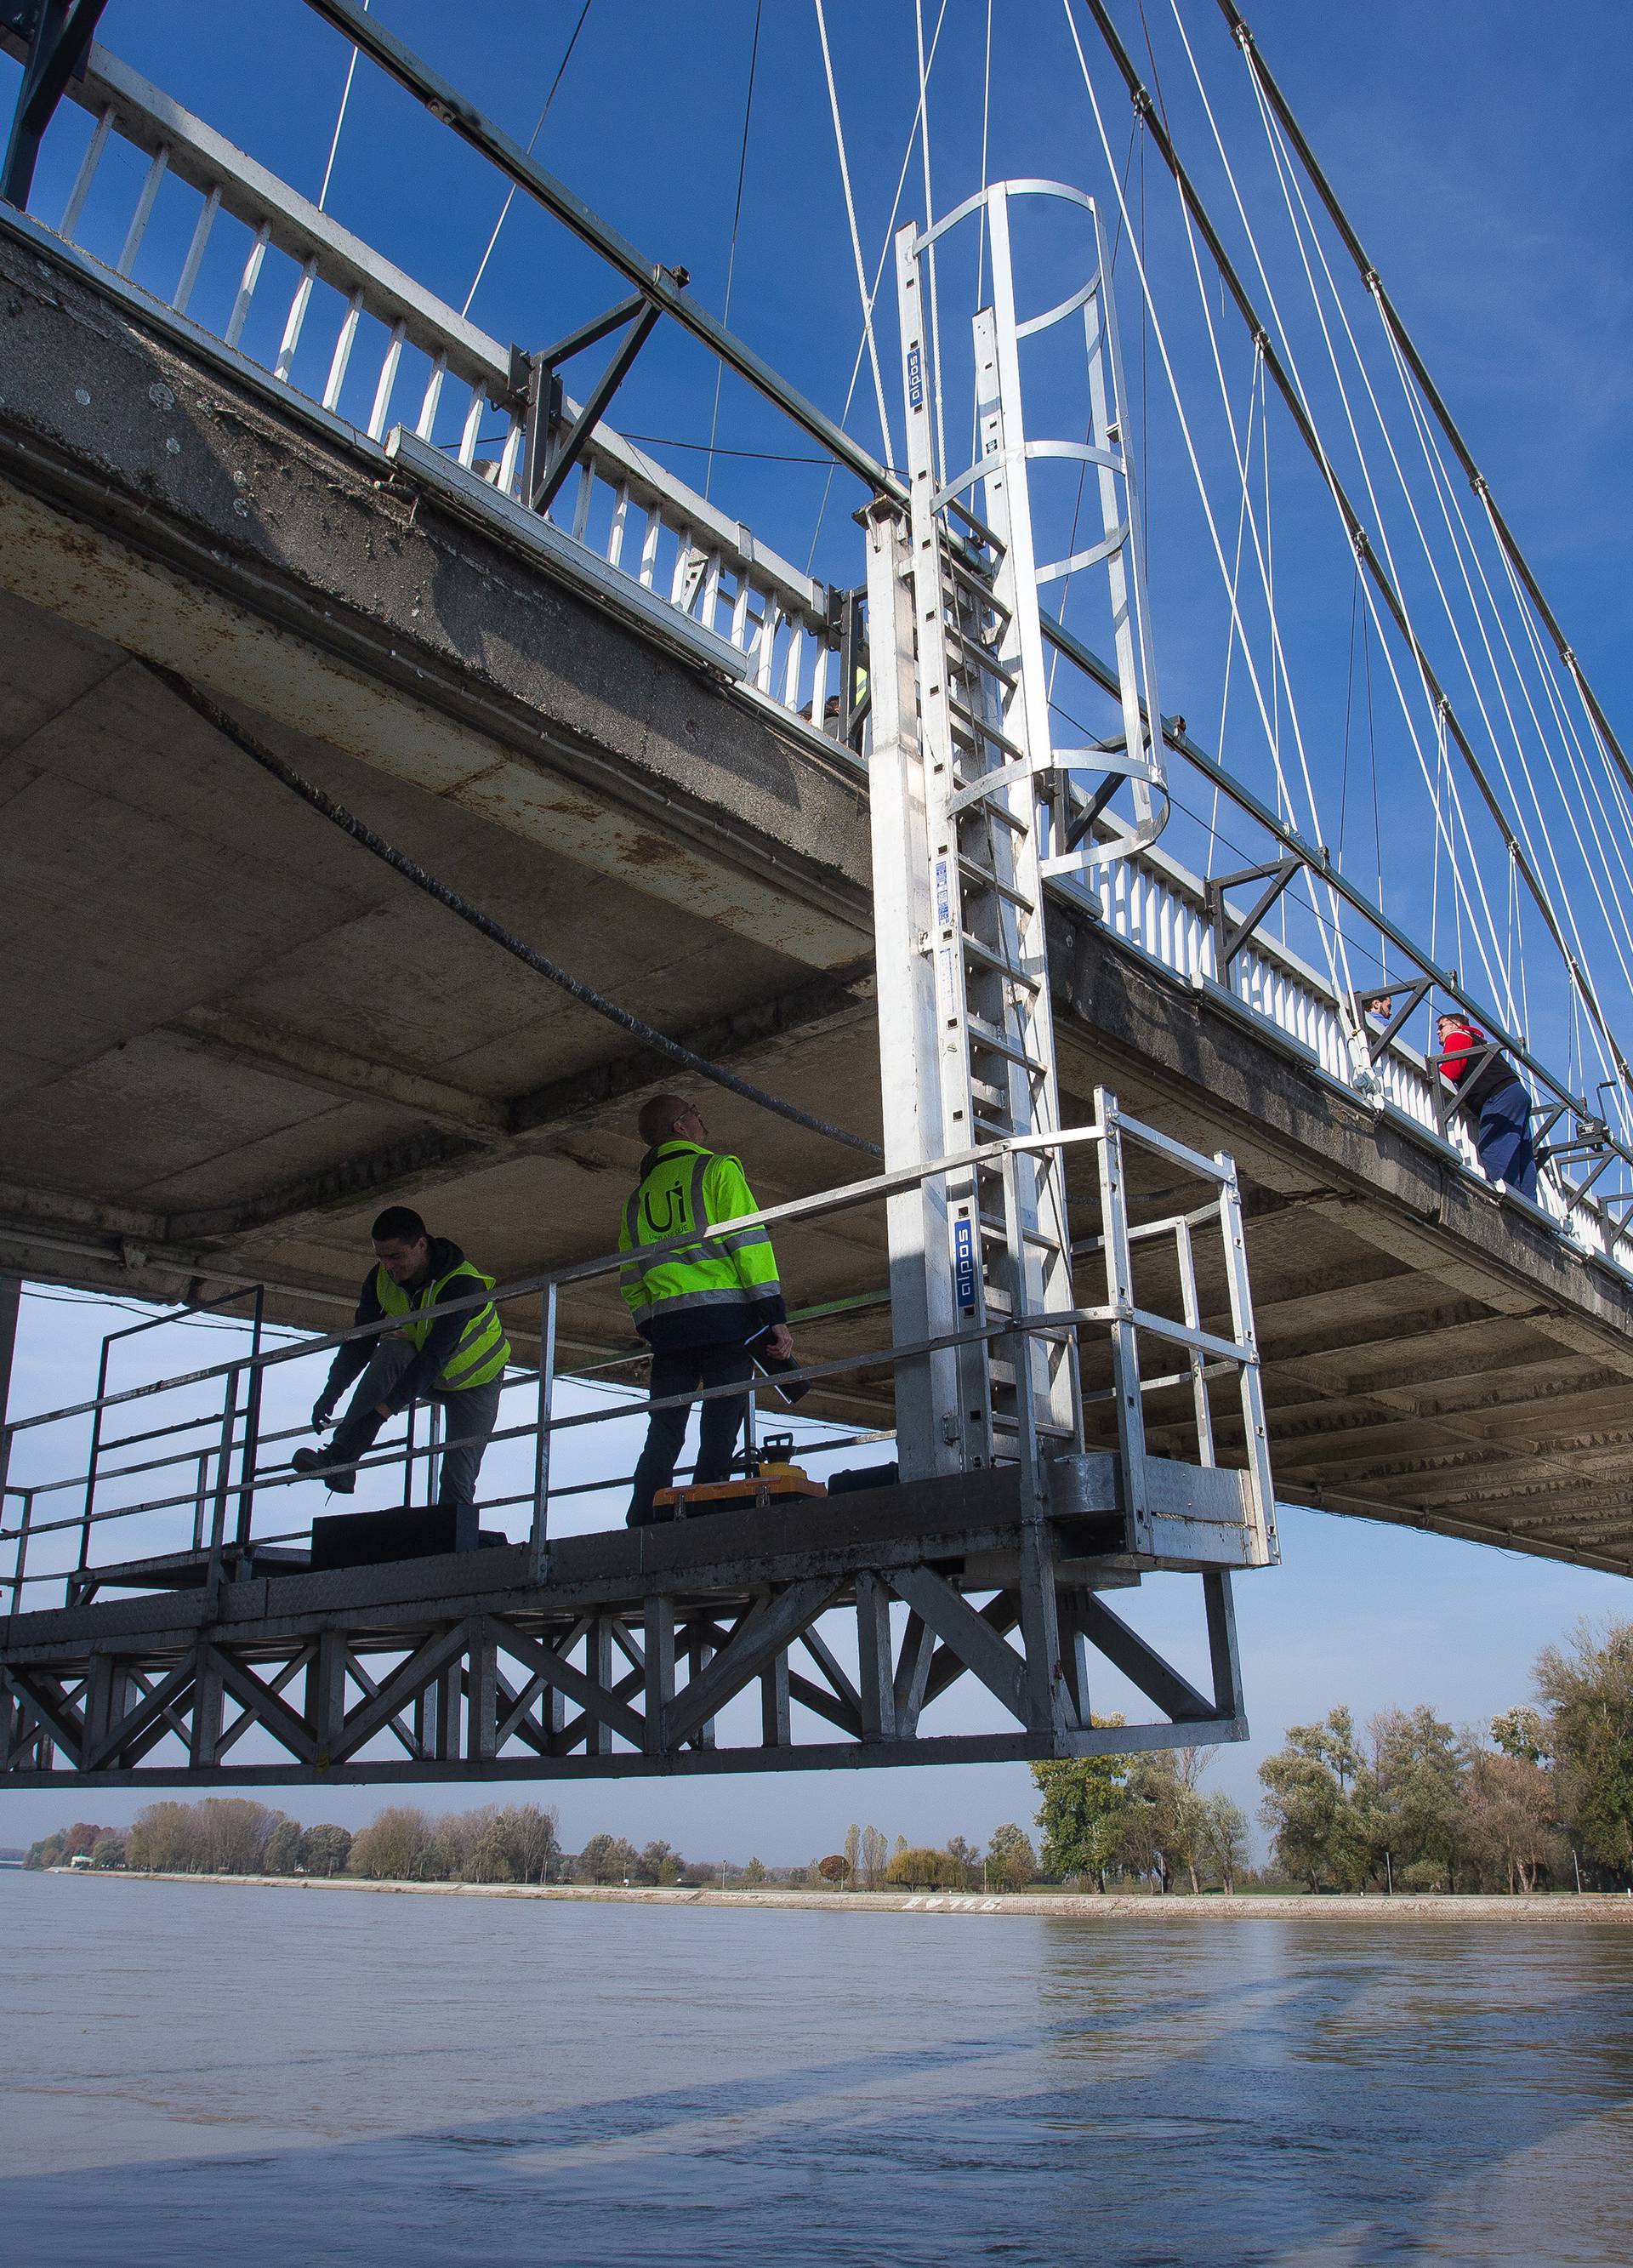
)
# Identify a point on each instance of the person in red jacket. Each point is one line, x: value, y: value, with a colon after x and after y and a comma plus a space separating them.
x: 1502, y: 1109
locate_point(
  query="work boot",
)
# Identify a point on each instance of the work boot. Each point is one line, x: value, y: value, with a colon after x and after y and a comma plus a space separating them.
x: 322, y: 1463
x: 353, y: 1439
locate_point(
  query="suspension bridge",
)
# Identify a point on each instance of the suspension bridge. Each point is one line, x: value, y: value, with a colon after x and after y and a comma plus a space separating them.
x: 406, y: 771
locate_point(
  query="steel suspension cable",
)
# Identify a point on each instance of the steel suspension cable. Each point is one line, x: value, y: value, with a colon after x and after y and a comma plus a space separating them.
x: 736, y: 222
x: 862, y: 293
x: 1449, y: 505
x: 1281, y: 677
x: 930, y: 221
x: 1284, y: 171
x: 1159, y: 333
x: 855, y: 366
x: 538, y: 129
x: 340, y: 120
x: 200, y: 702
x: 1140, y: 96
x: 1442, y: 708
x: 1391, y: 316
x: 1438, y: 702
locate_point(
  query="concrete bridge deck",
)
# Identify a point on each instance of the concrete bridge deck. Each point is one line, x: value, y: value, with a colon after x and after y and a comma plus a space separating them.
x: 228, y: 1036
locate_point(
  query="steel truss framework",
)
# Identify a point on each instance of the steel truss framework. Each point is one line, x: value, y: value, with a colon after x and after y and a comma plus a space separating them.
x: 695, y: 1649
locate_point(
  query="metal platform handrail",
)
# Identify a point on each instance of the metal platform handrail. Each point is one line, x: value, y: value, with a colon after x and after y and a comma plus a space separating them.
x: 839, y: 1199
x: 228, y: 1471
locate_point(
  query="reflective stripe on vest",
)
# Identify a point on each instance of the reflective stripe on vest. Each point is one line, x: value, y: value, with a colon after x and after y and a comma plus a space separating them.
x: 483, y: 1349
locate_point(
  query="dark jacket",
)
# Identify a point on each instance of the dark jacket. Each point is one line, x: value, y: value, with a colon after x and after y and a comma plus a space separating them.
x: 352, y: 1359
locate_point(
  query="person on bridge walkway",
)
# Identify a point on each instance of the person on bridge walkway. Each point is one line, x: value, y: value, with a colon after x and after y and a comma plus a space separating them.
x: 1499, y: 1105
x: 701, y: 1308
x: 456, y: 1360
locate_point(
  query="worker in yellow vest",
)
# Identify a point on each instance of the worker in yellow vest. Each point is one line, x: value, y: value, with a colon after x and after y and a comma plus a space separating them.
x: 705, y: 1309
x: 457, y: 1360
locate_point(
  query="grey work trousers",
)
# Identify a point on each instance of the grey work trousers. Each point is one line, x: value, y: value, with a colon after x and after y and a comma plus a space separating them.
x: 469, y: 1415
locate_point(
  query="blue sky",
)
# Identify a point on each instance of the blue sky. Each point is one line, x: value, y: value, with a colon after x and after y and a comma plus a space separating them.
x: 1487, y: 168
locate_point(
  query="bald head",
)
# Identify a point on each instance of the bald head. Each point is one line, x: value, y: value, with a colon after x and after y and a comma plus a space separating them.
x: 663, y: 1116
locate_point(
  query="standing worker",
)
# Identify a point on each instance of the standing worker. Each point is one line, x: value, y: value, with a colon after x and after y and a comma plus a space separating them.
x: 702, y: 1308
x: 457, y: 1360
x: 1497, y: 1103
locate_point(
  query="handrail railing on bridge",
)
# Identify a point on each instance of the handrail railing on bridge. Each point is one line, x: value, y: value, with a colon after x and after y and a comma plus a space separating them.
x: 396, y: 356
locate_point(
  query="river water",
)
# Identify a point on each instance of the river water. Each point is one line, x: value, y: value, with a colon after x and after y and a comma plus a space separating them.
x: 208, y: 2075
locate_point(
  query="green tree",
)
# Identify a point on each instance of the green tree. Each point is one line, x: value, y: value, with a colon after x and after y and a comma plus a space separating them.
x: 108, y: 1850
x: 917, y: 1867
x: 754, y: 1875
x: 1508, y: 1828
x: 162, y: 1839
x: 282, y: 1855
x: 1521, y: 1732
x: 609, y: 1859
x: 1081, y: 1813
x: 875, y: 1856
x: 1160, y: 1820
x: 1318, y: 1836
x: 1224, y: 1839
x: 1587, y: 1690
x: 1409, y: 1800
x: 395, y: 1847
x: 325, y: 1849
x: 661, y: 1863
x: 964, y: 1863
x: 853, y: 1855
x: 1011, y: 1862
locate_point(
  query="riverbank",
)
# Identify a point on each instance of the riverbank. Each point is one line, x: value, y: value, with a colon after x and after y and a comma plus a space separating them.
x: 1572, y: 1909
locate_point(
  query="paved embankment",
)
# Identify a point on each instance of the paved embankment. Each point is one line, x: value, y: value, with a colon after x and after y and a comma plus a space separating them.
x: 1569, y: 1908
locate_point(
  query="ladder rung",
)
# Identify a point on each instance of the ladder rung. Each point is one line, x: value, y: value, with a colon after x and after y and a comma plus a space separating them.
x: 984, y: 803
x: 977, y: 588
x: 977, y: 726
x: 973, y: 871
x: 986, y: 1036
x: 973, y: 946
x: 990, y: 1225
x: 981, y: 655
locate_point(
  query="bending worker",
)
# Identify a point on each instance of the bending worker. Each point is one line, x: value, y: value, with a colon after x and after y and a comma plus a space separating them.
x: 1498, y: 1103
x: 457, y: 1360
x: 701, y: 1308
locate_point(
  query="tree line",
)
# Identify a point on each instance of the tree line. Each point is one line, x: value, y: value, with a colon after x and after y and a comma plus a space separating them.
x: 1544, y: 1798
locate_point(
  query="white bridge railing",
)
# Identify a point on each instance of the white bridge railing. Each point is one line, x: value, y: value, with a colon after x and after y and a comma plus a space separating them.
x: 351, y: 333
x: 349, y: 330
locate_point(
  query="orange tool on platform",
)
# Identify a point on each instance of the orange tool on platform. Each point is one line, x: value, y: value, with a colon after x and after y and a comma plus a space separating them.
x: 773, y: 1476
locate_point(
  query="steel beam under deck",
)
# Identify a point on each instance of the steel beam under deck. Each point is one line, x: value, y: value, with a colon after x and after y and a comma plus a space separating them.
x: 628, y: 1659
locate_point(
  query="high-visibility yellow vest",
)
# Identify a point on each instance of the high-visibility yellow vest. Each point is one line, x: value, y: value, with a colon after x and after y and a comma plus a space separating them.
x: 483, y: 1349
x: 687, y: 1187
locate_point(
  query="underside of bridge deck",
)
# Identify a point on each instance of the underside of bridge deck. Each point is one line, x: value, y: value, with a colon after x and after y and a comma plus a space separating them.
x: 227, y: 1035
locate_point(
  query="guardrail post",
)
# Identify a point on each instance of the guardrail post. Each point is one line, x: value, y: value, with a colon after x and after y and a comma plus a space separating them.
x: 252, y: 1421
x: 24, y: 1524
x: 1125, y: 1362
x: 91, y: 1466
x: 224, y: 1468
x: 539, y: 1540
